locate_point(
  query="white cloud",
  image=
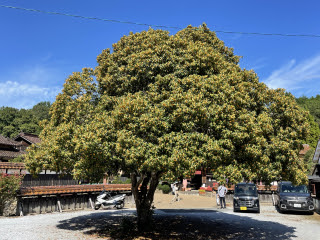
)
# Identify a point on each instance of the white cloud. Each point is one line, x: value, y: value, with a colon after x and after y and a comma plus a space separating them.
x: 258, y: 64
x: 299, y: 78
x: 40, y: 75
x: 14, y: 94
x: 26, y: 88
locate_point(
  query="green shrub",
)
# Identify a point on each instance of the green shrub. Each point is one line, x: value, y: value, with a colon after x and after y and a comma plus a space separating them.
x: 117, y: 180
x: 164, y: 188
x: 9, y: 184
x: 18, y: 159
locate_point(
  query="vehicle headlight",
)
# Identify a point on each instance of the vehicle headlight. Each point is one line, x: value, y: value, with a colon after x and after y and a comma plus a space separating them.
x: 255, y: 198
x: 236, y: 198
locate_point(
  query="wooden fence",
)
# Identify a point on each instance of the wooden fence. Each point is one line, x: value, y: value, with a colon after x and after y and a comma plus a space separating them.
x: 47, y: 180
x: 45, y: 199
x: 95, y: 188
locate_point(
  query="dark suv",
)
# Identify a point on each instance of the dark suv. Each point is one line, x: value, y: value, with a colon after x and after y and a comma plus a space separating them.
x: 246, y: 197
x: 293, y: 198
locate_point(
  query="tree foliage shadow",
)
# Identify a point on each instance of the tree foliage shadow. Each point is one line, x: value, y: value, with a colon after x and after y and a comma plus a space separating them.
x: 178, y: 224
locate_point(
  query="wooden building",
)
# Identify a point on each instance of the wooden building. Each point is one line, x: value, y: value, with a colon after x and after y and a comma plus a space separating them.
x: 303, y: 151
x: 9, y: 149
x: 12, y: 148
x: 26, y: 139
x: 314, y: 179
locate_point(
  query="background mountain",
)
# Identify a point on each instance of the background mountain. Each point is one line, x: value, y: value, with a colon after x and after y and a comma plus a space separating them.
x: 13, y: 120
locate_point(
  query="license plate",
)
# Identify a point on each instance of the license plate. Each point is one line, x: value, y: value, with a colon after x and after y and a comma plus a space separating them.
x: 243, y: 208
x: 297, y: 205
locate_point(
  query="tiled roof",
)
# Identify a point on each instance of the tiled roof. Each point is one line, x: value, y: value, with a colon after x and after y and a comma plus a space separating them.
x: 12, y: 165
x: 31, y: 138
x: 10, y: 154
x: 9, y: 147
x: 305, y: 149
x: 7, y: 141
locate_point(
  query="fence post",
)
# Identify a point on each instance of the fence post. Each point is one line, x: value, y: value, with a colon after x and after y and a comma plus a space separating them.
x: 59, y: 205
x: 20, y: 207
x: 91, y: 203
x: 273, y: 203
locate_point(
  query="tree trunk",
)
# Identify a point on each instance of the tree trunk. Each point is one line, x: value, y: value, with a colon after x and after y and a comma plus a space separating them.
x: 143, y: 191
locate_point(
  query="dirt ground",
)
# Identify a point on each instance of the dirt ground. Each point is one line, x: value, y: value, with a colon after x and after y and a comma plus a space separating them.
x: 189, y: 200
x: 193, y: 217
x: 164, y: 201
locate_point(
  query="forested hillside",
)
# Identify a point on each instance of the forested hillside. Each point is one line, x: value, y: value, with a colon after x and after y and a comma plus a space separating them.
x: 312, y: 104
x: 13, y: 121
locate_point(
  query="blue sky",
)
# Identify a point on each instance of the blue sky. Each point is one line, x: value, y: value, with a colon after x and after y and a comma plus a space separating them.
x: 39, y: 51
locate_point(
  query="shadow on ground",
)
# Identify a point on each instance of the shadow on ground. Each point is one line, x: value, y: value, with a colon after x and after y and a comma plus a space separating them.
x: 178, y: 224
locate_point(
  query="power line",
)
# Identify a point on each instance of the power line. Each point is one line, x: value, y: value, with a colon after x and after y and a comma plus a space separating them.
x: 158, y: 26
x: 90, y: 18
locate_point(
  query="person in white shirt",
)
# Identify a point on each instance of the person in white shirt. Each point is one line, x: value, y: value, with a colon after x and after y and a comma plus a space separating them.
x: 222, y: 191
x: 172, y: 188
x: 176, y: 194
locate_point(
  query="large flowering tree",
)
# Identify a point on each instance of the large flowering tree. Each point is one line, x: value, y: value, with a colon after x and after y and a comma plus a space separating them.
x: 161, y: 104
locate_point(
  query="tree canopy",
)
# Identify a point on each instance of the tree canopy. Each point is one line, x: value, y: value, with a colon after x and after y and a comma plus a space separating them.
x: 13, y: 121
x: 314, y: 132
x: 165, y: 105
x: 311, y: 104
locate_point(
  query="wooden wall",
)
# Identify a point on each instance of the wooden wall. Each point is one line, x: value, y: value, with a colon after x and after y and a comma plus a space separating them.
x: 47, y: 180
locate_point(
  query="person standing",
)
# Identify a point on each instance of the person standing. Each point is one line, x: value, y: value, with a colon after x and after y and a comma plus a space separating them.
x: 172, y: 188
x: 176, y: 194
x: 222, y: 191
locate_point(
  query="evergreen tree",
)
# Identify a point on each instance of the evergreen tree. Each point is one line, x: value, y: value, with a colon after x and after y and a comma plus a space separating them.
x: 165, y: 105
x: 13, y: 121
x: 311, y: 104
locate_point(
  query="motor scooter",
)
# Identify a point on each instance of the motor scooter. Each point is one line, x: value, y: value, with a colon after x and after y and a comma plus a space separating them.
x: 105, y: 199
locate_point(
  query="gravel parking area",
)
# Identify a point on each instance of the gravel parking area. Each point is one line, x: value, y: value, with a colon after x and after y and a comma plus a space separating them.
x: 198, y: 219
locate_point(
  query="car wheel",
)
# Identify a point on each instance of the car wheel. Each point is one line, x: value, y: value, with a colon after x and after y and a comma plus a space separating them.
x: 119, y: 206
x: 258, y: 211
x: 96, y: 207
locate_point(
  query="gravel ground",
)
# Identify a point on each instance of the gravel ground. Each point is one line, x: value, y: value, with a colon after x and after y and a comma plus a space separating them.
x: 194, y: 217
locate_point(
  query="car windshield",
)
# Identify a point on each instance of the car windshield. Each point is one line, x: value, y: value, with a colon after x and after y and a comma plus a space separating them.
x: 288, y: 188
x: 245, y: 190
